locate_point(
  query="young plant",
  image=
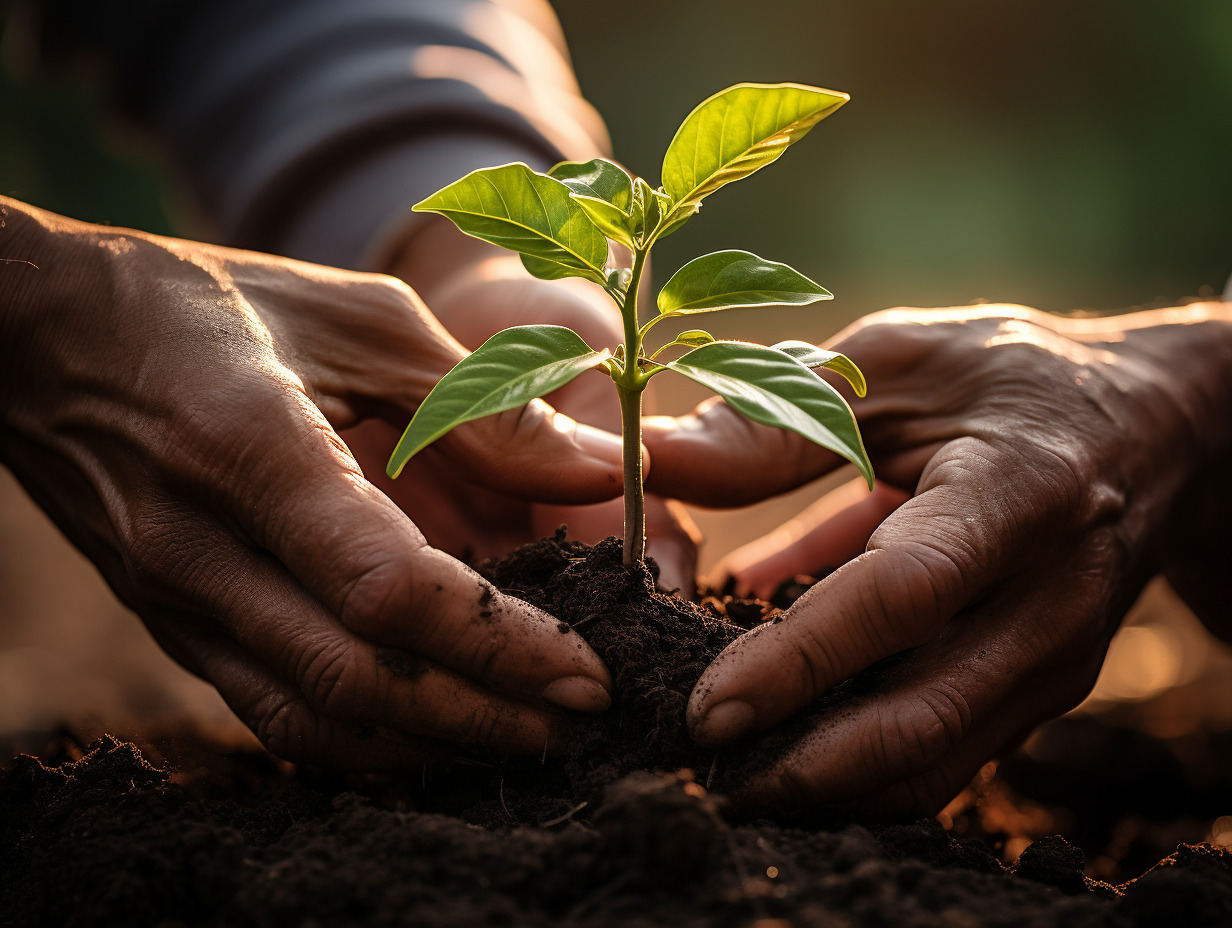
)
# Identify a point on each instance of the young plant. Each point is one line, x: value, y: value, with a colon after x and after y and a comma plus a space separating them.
x: 561, y: 224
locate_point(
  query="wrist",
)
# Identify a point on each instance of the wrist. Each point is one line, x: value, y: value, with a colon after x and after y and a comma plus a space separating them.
x: 26, y: 246
x: 24, y: 242
x: 1189, y: 349
x: 1182, y: 360
x: 49, y: 266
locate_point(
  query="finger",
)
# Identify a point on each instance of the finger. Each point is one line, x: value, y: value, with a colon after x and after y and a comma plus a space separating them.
x: 303, y: 499
x: 287, y: 725
x: 934, y: 555
x: 828, y: 534
x: 1028, y: 655
x: 250, y: 598
x: 539, y: 454
x: 383, y: 352
x: 716, y: 457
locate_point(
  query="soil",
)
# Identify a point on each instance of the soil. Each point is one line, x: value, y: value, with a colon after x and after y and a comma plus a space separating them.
x: 627, y: 827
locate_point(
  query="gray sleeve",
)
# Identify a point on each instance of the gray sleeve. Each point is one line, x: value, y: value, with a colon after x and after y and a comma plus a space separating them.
x: 309, y: 127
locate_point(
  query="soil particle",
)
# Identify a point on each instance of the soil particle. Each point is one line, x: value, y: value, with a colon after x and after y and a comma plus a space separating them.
x: 1054, y: 861
x: 615, y: 832
x: 654, y: 645
x: 110, y: 840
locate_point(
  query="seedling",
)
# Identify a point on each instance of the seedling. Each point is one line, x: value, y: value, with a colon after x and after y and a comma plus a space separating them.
x: 562, y: 222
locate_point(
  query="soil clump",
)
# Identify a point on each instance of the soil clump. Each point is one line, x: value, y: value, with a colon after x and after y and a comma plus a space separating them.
x: 619, y: 830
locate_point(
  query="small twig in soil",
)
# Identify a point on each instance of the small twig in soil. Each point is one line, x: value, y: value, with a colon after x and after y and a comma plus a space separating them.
x: 508, y: 814
x: 471, y: 762
x: 714, y: 765
x: 564, y: 818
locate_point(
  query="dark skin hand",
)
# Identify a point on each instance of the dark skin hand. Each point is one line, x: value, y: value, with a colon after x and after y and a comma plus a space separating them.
x: 476, y: 290
x: 1036, y: 472
x: 176, y: 408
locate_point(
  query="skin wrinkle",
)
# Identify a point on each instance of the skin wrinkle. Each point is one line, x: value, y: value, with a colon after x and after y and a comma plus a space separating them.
x: 122, y: 441
x: 325, y: 677
x: 1041, y: 470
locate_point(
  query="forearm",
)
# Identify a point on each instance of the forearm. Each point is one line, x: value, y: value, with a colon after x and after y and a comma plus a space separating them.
x: 309, y: 129
x: 292, y: 120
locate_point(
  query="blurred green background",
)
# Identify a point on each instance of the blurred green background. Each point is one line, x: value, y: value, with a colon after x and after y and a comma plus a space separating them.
x: 1069, y: 154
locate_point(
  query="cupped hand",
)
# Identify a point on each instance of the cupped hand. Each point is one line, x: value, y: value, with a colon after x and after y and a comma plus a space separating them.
x: 1036, y: 472
x: 476, y: 290
x: 175, y: 407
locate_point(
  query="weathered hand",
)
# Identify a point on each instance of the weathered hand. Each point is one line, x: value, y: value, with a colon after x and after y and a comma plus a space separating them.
x: 173, y: 406
x: 1038, y: 471
x: 475, y: 290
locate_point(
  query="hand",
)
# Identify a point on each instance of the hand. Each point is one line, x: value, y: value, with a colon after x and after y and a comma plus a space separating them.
x: 174, y: 407
x: 476, y: 290
x: 1037, y: 471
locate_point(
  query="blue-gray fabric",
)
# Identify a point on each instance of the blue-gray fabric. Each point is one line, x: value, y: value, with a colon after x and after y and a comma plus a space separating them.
x: 309, y: 127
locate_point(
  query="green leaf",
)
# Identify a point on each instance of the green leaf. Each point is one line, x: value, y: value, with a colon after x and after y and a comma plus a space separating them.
x: 730, y: 279
x: 509, y: 370
x: 610, y: 220
x: 516, y: 208
x: 604, y: 191
x: 649, y: 207
x: 812, y: 356
x: 599, y: 178
x: 550, y: 270
x: 694, y: 338
x: 773, y: 388
x: 738, y: 131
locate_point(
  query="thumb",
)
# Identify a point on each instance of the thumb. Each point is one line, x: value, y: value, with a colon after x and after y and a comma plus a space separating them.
x: 540, y: 454
x: 716, y: 457
x: 381, y: 354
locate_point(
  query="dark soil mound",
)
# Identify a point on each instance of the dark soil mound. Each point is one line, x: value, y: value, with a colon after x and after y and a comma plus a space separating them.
x: 593, y: 838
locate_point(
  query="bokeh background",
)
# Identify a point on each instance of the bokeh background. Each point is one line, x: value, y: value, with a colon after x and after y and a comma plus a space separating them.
x: 1067, y: 154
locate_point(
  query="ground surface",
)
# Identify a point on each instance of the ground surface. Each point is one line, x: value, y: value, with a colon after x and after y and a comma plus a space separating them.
x: 95, y: 833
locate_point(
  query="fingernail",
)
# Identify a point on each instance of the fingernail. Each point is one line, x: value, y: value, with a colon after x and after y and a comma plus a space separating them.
x: 580, y: 693
x: 600, y: 444
x: 726, y: 722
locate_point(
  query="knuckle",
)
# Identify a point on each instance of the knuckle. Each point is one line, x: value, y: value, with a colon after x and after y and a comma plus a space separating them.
x: 332, y: 679
x: 390, y: 295
x: 817, y: 656
x: 906, y: 607
x: 382, y: 589
x: 925, y: 736
x: 286, y: 728
x: 164, y: 557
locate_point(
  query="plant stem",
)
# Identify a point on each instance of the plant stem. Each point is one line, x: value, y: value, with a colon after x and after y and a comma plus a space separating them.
x: 635, y: 507
x: 630, y: 387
